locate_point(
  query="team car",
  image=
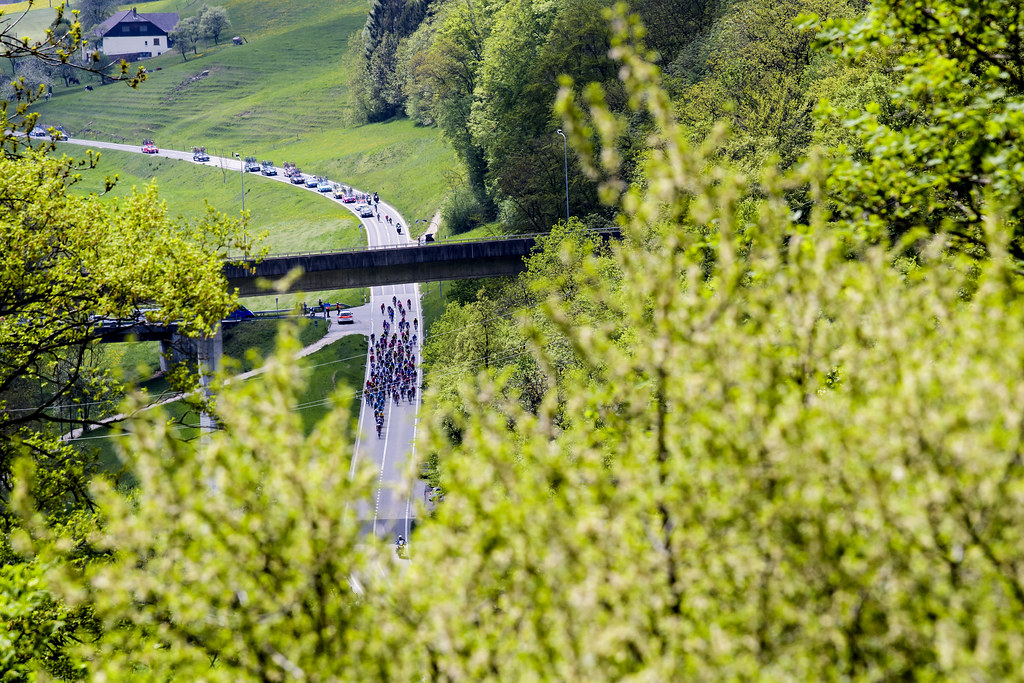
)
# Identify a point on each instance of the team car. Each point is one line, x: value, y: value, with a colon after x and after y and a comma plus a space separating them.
x: 148, y: 147
x: 323, y: 184
x: 297, y: 177
x: 345, y: 317
x: 199, y: 154
x: 365, y: 212
x: 312, y: 181
x: 268, y: 168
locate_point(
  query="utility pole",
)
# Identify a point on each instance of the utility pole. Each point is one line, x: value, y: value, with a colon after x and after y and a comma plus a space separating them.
x: 565, y: 159
x: 242, y: 173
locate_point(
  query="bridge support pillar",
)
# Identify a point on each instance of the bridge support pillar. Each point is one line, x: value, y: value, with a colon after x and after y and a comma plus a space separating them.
x: 179, y: 349
x: 210, y: 355
x: 166, y: 355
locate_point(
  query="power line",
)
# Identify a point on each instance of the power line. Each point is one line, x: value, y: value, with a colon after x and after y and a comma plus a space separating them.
x: 361, y: 393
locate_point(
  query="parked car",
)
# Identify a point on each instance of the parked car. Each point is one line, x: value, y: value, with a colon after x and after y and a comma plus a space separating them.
x: 323, y: 184
x: 267, y: 168
x: 241, y: 313
x: 312, y: 181
x: 297, y: 177
x: 148, y: 147
x: 199, y: 154
x: 366, y: 212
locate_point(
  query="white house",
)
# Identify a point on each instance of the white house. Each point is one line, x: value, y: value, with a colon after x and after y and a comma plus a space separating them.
x: 133, y: 35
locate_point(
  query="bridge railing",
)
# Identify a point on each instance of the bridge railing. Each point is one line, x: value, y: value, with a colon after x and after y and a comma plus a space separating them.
x: 427, y: 245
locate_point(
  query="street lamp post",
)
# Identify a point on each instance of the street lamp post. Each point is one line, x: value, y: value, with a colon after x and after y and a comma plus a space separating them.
x: 241, y: 171
x: 565, y: 158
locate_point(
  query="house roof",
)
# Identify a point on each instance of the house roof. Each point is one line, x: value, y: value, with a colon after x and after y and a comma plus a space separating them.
x: 165, y: 21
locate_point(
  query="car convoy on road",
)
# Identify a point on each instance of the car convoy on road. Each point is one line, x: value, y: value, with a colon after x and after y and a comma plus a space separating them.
x: 364, y: 202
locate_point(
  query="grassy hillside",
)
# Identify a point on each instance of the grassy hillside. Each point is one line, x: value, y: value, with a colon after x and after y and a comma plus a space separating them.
x: 294, y: 219
x: 283, y: 96
x: 32, y: 25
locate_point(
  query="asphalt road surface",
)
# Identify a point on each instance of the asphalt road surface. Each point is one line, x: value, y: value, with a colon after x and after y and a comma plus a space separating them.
x: 391, y: 511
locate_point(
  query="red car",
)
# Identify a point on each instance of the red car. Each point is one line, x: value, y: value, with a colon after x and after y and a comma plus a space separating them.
x: 148, y: 147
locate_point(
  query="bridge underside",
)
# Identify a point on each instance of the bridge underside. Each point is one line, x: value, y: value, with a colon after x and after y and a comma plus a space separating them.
x: 393, y: 266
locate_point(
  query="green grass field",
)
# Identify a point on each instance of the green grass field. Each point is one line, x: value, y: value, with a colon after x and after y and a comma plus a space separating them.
x: 31, y: 25
x: 295, y: 220
x: 284, y: 95
x: 338, y: 367
x: 250, y: 342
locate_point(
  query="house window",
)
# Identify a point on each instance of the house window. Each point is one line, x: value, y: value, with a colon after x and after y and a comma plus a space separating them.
x: 156, y: 42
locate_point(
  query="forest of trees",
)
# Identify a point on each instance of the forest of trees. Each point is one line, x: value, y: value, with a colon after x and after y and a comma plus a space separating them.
x: 772, y: 433
x: 486, y: 72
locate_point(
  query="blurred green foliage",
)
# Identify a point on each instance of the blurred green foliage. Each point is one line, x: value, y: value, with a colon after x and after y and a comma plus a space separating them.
x: 770, y: 434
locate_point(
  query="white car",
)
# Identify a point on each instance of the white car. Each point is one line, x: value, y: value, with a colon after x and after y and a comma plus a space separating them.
x: 365, y: 211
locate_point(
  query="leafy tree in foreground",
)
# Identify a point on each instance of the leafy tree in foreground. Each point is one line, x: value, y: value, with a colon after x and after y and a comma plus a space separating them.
x: 64, y: 259
x: 67, y: 261
x: 779, y: 462
x: 260, y: 530
x: 71, y: 260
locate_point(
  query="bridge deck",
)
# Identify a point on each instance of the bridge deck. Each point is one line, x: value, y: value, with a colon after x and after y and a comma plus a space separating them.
x: 449, y: 260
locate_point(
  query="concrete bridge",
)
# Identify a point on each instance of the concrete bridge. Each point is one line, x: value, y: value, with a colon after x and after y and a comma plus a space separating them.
x: 393, y: 264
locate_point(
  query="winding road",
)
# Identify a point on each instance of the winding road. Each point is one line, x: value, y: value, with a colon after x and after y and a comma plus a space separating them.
x: 392, y: 509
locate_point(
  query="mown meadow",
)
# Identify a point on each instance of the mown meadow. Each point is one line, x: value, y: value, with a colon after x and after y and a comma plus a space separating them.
x: 283, y: 95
